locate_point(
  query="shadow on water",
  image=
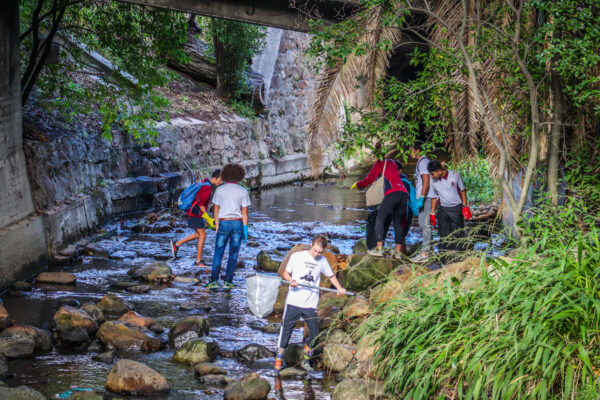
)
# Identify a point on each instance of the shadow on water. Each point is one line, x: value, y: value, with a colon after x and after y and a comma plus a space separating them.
x: 281, y: 217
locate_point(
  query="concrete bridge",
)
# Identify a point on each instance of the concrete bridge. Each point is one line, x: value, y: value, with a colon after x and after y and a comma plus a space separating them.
x: 24, y: 240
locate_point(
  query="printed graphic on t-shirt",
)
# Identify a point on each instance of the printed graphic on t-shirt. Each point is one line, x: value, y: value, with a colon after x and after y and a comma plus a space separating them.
x: 305, y: 269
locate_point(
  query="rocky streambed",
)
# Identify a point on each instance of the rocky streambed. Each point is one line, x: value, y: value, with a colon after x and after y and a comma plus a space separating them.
x: 119, y: 317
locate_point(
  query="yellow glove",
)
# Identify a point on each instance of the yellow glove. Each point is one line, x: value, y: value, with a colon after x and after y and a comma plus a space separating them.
x: 353, y: 186
x: 209, y: 221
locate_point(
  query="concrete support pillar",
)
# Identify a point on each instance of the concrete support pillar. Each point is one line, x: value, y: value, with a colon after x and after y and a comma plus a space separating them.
x: 22, y: 239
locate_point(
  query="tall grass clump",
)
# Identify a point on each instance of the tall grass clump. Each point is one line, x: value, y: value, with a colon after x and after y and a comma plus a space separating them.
x: 528, y: 328
x: 476, y: 176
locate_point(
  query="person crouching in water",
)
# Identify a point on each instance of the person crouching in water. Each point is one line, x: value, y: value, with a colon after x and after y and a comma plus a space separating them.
x: 450, y: 201
x: 198, y: 218
x: 304, y: 267
x: 231, y: 202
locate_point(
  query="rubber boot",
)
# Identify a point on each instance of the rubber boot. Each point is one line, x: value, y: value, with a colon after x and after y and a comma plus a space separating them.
x: 279, y: 360
x: 308, y: 353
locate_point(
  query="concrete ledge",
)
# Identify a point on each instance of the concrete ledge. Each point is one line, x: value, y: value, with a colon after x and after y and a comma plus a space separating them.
x: 23, y: 250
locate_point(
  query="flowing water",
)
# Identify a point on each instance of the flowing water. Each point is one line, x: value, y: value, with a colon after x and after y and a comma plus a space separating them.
x: 280, y: 218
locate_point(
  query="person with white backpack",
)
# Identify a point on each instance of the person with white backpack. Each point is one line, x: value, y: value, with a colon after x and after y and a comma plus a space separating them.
x: 197, y: 211
x: 389, y: 191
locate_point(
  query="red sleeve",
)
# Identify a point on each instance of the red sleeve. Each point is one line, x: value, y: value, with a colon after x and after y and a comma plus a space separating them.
x: 372, y: 176
x: 203, y: 195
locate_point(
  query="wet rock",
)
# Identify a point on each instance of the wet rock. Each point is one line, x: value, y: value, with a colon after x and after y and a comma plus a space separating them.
x: 121, y: 336
x: 15, y: 346
x: 114, y: 305
x: 157, y: 227
x: 214, y: 380
x: 41, y: 338
x: 253, y: 244
x: 93, y: 311
x: 156, y: 327
x: 122, y: 255
x: 266, y: 328
x: 266, y: 263
x: 360, y: 246
x: 166, y: 321
x: 22, y: 285
x: 3, y: 365
x: 354, y: 389
x: 252, y: 352
x: 107, y: 357
x: 67, y: 318
x: 250, y: 387
x: 20, y: 393
x: 292, y: 373
x: 191, y: 305
x: 365, y: 271
x: 63, y: 278
x: 337, y: 356
x: 135, y: 319
x: 4, y: 321
x: 187, y: 329
x: 282, y: 248
x: 156, y: 271
x: 59, y: 260
x: 138, y: 289
x: 206, y: 368
x: 131, y: 377
x: 124, y: 284
x: 68, y: 301
x: 69, y: 251
x: 358, y: 307
x: 279, y: 304
x: 74, y: 336
x: 186, y: 279
x: 196, y: 351
x: 102, y: 248
x: 294, y: 353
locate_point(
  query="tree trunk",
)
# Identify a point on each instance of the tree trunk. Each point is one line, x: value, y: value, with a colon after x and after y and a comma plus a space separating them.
x: 555, y: 134
x: 224, y: 88
x: 200, y: 67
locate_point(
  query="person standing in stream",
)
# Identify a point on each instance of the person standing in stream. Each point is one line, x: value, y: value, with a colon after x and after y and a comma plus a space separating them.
x: 198, y: 218
x: 304, y: 267
x: 394, y: 202
x: 424, y: 197
x: 231, y: 202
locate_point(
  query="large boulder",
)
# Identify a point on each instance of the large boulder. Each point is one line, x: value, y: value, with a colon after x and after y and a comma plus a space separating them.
x: 122, y: 336
x: 41, y: 338
x: 156, y: 271
x: 134, y: 378
x: 365, y: 271
x: 360, y: 246
x: 93, y: 311
x: 279, y: 304
x: 250, y: 387
x: 63, y: 278
x: 252, y: 352
x: 15, y: 346
x: 114, y: 305
x: 67, y: 318
x: 264, y: 262
x: 187, y: 329
x: 331, y: 258
x: 4, y: 317
x: 358, y: 307
x: 196, y: 351
x: 336, y: 356
x: 355, y: 389
x: 20, y: 393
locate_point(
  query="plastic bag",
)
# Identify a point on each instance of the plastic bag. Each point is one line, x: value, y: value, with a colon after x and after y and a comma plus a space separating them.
x: 262, y: 293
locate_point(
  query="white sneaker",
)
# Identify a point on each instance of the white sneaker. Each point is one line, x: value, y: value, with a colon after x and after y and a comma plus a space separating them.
x: 420, y: 258
x: 375, y: 252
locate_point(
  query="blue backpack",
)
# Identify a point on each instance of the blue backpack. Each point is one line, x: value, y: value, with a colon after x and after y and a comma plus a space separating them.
x: 412, y: 196
x: 186, y: 198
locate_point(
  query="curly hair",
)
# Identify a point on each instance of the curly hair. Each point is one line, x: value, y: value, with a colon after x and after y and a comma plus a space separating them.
x: 233, y: 173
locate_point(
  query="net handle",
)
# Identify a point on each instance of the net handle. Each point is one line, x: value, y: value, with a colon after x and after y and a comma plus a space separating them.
x: 349, y: 293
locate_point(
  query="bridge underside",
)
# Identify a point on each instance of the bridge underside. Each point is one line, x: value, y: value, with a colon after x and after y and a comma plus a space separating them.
x: 286, y: 14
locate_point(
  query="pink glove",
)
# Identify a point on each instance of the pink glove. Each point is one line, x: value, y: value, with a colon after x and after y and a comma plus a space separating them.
x: 432, y: 219
x: 466, y: 212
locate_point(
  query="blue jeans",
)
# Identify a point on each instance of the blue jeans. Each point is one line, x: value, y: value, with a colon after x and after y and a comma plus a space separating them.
x: 227, y: 230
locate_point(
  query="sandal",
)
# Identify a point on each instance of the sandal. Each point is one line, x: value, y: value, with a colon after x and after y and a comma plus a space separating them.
x: 200, y: 263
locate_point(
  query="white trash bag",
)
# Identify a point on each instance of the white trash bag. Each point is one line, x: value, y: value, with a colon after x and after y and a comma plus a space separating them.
x: 262, y: 293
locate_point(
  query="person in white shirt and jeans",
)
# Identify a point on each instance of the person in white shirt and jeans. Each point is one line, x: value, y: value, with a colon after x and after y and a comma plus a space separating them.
x: 424, y: 196
x: 231, y: 202
x: 304, y: 267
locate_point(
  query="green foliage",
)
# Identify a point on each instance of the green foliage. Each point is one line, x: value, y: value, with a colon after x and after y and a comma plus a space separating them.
x: 136, y: 40
x: 527, y: 329
x: 476, y: 176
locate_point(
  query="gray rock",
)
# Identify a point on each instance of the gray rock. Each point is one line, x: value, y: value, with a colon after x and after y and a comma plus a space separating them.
x: 122, y: 336
x: 196, y: 351
x: 93, y: 311
x: 266, y: 263
x: 131, y: 377
x: 3, y: 365
x: 15, y: 346
x: 351, y: 389
x: 292, y: 373
x: 186, y: 279
x: 214, y: 380
x: 68, y: 301
x: 252, y: 352
x: 124, y: 284
x: 187, y: 329
x: 155, y: 272
x: 114, y: 305
x: 190, y: 305
x: 20, y: 393
x: 267, y: 328
x: 69, y: 251
x: 139, y: 289
x: 75, y: 336
x: 123, y: 255
x: 337, y: 356
x: 106, y: 357
x: 206, y: 368
x: 253, y: 244
x: 250, y: 387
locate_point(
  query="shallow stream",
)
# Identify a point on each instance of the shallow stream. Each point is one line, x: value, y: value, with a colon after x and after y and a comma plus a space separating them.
x: 280, y: 217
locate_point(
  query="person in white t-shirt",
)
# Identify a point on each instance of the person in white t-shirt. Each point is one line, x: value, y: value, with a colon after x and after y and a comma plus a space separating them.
x: 424, y: 197
x: 304, y: 267
x: 231, y: 202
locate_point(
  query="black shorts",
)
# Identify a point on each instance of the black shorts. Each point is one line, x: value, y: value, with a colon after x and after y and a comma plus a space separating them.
x: 196, y: 222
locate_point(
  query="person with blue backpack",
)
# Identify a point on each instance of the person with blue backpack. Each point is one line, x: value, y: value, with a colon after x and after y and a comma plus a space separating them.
x: 195, y: 200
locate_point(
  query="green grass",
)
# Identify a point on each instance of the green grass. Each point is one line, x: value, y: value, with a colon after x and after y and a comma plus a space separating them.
x: 476, y: 176
x: 530, y: 329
